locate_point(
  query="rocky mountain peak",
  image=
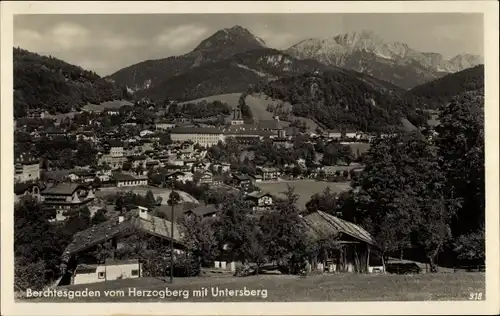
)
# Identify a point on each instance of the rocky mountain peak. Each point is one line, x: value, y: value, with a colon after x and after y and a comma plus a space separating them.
x: 238, y: 37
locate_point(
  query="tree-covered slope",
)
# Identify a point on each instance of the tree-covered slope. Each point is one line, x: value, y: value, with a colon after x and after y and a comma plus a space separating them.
x: 48, y: 83
x: 435, y: 93
x: 338, y: 100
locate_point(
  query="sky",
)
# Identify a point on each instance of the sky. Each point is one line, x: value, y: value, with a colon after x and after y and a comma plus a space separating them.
x: 108, y: 42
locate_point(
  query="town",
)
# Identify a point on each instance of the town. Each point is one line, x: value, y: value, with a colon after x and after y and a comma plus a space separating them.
x: 239, y: 168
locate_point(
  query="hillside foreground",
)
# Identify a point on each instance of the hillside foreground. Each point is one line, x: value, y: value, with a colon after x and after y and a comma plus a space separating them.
x: 288, y: 288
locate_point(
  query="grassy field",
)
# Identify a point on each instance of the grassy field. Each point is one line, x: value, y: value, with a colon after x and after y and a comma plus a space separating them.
x: 110, y: 104
x: 287, y: 288
x: 257, y: 103
x: 304, y: 188
x: 164, y: 193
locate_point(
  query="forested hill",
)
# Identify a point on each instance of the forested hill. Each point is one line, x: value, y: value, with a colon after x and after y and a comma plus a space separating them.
x: 230, y: 75
x: 339, y: 100
x: 435, y: 93
x: 51, y: 84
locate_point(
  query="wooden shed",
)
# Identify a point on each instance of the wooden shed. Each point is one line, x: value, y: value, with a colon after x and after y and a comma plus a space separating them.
x: 344, y: 246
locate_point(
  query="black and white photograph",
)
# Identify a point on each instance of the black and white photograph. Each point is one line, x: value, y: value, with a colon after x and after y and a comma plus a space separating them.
x: 253, y: 157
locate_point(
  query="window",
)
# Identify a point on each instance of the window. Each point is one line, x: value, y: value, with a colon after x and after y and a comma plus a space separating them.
x: 135, y: 272
x: 101, y: 275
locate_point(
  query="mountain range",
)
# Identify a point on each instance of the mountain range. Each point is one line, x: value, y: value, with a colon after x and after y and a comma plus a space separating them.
x: 362, y: 52
x: 392, y: 61
x: 333, y: 92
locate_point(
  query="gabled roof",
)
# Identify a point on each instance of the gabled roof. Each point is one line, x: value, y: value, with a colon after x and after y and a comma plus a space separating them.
x: 241, y: 177
x: 323, y: 225
x: 104, y: 231
x: 83, y: 173
x: 63, y: 189
x: 258, y: 195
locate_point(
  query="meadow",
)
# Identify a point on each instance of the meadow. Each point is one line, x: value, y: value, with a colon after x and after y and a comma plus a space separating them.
x: 163, y: 192
x: 116, y: 104
x: 340, y: 287
x: 304, y: 188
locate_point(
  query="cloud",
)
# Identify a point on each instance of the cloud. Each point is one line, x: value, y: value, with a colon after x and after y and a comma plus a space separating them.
x: 274, y: 39
x: 68, y: 36
x: 180, y: 37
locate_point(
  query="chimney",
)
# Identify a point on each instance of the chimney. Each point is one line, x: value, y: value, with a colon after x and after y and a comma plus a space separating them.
x: 143, y: 212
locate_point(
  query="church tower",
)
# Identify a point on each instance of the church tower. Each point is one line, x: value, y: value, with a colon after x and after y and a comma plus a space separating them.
x: 237, y: 117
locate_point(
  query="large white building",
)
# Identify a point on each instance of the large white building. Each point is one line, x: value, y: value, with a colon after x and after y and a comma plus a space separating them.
x: 204, y: 136
x: 128, y: 180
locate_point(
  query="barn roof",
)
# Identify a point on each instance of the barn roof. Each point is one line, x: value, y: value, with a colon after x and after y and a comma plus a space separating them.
x: 323, y: 225
x: 63, y: 189
x: 104, y: 231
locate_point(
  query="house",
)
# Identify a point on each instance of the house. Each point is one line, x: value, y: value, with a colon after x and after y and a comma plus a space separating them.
x: 242, y: 181
x: 260, y: 200
x: 114, y: 147
x: 282, y: 142
x: 174, y: 175
x: 54, y: 132
x: 206, y: 178
x: 117, y: 229
x: 82, y: 176
x: 128, y: 180
x: 112, y: 112
x: 152, y: 164
x: 350, y: 134
x: 185, y: 177
x: 353, y: 248
x: 104, y: 175
x: 110, y: 270
x: 85, y: 135
x: 332, y: 134
x: 164, y: 125
x: 342, y: 170
x: 26, y: 170
x: 217, y: 180
x: 36, y: 113
x: 136, y: 161
x: 113, y: 162
x: 147, y: 145
x: 203, y: 211
x: 130, y: 122
x: 257, y: 177
x: 268, y: 174
x: 66, y: 196
x: 35, y: 134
